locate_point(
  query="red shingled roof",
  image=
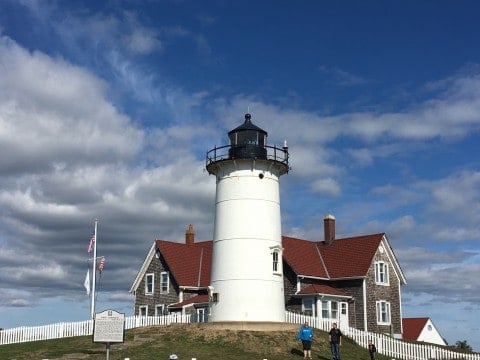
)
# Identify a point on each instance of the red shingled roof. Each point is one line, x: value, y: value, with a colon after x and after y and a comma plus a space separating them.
x: 194, y: 300
x: 190, y: 264
x: 331, y: 261
x: 321, y: 289
x: 412, y: 327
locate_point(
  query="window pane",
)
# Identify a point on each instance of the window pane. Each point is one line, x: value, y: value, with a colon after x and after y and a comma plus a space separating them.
x: 275, y: 261
x: 334, y: 306
x: 325, y: 310
x: 149, y: 284
x: 164, y: 282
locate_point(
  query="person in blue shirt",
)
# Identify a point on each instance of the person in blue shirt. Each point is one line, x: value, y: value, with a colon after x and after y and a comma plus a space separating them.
x: 305, y: 334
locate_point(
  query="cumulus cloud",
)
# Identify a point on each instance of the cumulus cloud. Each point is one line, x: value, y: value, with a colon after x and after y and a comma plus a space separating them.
x: 44, y: 99
x: 72, y: 156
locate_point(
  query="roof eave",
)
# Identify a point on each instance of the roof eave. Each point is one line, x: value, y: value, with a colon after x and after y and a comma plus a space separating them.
x: 321, y: 294
x: 143, y: 269
x: 356, y: 277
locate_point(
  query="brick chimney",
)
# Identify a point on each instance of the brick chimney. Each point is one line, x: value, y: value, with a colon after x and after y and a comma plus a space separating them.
x: 190, y: 235
x: 329, y: 229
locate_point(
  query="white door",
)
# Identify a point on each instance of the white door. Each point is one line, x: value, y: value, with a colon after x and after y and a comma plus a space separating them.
x: 343, y: 318
x: 201, y: 315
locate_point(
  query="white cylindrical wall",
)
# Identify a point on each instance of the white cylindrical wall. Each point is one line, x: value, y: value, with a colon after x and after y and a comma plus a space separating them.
x: 247, y: 231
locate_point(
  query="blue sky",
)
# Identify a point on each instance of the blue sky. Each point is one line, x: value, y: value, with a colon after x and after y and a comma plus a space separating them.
x: 108, y: 108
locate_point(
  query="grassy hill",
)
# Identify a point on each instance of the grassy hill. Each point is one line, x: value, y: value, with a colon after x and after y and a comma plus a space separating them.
x: 199, y: 341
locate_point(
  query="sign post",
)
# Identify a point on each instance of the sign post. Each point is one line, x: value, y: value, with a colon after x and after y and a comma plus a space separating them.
x: 108, y: 328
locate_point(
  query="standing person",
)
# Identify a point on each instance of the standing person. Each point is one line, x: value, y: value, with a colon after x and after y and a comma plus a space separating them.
x: 335, y: 339
x: 371, y: 349
x: 305, y: 334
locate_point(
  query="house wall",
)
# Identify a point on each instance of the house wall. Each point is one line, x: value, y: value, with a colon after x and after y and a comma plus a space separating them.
x: 353, y: 288
x: 156, y: 266
x: 290, y: 288
x: 388, y: 293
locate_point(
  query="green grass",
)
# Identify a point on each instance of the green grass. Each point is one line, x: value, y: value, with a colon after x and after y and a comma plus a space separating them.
x: 187, y: 341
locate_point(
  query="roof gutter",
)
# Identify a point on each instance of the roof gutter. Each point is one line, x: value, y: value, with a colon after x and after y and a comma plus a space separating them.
x: 193, y: 287
x: 172, y: 306
x: 330, y: 279
x: 324, y: 295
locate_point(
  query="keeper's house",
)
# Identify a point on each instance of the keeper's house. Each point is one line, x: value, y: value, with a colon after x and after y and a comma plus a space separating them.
x: 355, y: 281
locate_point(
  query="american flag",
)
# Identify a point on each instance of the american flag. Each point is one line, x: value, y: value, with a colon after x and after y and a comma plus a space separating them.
x: 91, y: 244
x: 101, y: 264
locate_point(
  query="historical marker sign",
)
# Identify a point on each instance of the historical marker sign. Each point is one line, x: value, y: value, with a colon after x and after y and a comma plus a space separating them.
x: 109, y: 327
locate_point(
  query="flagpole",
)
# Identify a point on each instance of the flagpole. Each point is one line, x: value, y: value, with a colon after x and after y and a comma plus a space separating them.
x: 94, y: 263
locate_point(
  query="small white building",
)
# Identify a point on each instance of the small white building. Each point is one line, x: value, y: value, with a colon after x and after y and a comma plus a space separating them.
x: 421, y: 329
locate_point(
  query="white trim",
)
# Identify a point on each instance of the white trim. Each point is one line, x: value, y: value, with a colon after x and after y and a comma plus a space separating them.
x: 161, y: 282
x: 147, y: 275
x: 382, y: 306
x: 140, y: 310
x: 156, y: 309
x: 381, y: 269
x: 365, y: 314
x: 143, y: 269
x: 393, y: 260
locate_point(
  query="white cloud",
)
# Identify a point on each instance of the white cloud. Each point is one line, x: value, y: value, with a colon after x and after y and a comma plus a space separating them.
x: 326, y: 186
x: 141, y: 42
x: 43, y: 101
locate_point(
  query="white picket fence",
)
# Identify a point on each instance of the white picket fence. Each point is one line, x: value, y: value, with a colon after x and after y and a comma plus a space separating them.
x: 386, y: 345
x: 81, y: 328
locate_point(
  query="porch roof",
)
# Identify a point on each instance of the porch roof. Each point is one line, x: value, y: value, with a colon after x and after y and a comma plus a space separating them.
x: 322, y: 290
x: 198, y: 299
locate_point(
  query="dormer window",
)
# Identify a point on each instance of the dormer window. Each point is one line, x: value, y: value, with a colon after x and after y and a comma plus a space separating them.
x: 381, y: 273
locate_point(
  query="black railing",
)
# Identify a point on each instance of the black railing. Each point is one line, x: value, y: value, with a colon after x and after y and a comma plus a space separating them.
x: 228, y: 152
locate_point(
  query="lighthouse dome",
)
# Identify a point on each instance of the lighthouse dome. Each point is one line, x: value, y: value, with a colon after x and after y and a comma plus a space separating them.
x: 247, y: 141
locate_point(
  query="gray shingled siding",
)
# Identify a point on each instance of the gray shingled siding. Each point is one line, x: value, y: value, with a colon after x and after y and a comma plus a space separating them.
x: 141, y: 299
x: 381, y: 292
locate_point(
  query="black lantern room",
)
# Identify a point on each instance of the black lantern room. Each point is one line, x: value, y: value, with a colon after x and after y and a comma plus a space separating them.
x: 247, y: 141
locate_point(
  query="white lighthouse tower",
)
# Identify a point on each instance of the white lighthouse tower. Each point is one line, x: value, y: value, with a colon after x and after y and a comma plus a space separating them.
x: 247, y: 272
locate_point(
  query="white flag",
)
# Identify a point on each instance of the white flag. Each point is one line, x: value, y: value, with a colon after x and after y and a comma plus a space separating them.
x: 86, y: 283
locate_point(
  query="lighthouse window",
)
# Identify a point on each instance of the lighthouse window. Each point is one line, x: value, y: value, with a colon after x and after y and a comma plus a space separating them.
x: 275, y: 261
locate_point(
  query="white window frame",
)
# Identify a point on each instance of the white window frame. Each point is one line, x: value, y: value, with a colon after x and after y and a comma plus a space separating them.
x: 141, y: 309
x: 164, y: 282
x: 147, y: 283
x: 311, y: 308
x: 157, y: 307
x: 383, y: 312
x: 332, y: 312
x: 343, y: 308
x: 381, y: 273
x: 276, y: 252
